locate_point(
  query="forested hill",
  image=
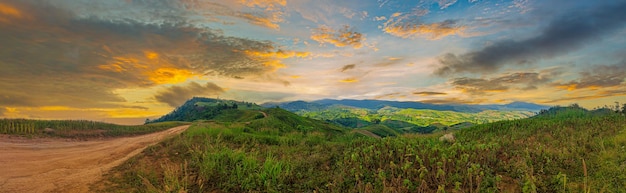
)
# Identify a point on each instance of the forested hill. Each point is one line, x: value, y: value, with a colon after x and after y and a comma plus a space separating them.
x: 295, y: 106
x: 204, y: 108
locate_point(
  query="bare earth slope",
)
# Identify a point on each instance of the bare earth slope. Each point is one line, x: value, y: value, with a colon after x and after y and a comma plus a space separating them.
x: 57, y: 165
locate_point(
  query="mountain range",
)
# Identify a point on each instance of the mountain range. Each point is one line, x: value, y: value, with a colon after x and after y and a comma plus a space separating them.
x: 378, y: 104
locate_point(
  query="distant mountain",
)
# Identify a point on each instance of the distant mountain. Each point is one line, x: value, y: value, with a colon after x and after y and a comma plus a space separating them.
x: 295, y: 106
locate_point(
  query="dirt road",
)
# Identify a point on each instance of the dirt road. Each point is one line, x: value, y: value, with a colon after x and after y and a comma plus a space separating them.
x: 57, y: 165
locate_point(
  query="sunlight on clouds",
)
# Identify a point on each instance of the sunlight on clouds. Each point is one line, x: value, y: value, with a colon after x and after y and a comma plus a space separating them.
x: 433, y: 31
x: 8, y: 12
x: 269, y: 22
x: 168, y: 75
x: 151, y: 55
x: 273, y: 59
x: 349, y: 80
x: 268, y: 4
x: 270, y: 17
x: 340, y: 38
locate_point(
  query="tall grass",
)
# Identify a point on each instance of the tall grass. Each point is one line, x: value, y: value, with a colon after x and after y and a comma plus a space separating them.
x: 541, y: 154
x: 77, y: 128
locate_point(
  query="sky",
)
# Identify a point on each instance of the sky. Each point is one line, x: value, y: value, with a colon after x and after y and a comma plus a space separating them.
x: 123, y: 61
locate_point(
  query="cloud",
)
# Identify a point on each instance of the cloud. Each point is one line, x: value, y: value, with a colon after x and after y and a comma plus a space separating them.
x: 348, y: 67
x: 342, y: 37
x: 2, y: 111
x: 598, y: 77
x: 381, y: 18
x: 175, y: 96
x: 51, y: 56
x: 443, y: 4
x: 409, y: 25
x: 349, y: 80
x: 390, y: 96
x: 429, y: 93
x: 265, y: 13
x: 505, y: 82
x: 562, y: 35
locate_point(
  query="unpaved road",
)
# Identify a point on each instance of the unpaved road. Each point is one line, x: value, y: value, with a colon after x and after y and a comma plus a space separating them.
x: 58, y: 165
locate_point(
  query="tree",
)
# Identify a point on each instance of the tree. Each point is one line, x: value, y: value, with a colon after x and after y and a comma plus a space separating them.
x: 624, y: 109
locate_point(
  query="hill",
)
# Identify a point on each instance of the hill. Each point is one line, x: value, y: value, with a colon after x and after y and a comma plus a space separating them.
x: 355, y: 117
x: 295, y: 106
x: 560, y: 150
x: 199, y: 108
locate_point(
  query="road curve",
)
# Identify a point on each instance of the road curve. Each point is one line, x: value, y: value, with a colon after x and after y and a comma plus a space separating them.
x: 57, y: 165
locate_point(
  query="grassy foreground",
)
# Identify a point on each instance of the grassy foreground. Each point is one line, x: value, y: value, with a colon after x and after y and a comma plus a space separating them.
x: 570, y: 150
x: 77, y: 128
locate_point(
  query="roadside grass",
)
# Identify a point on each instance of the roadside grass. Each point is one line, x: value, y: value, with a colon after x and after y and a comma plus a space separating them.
x: 77, y: 128
x: 569, y: 151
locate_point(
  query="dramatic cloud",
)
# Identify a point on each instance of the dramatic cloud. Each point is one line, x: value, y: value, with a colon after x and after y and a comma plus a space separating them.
x: 340, y: 38
x: 518, y: 81
x: 265, y: 13
x: 175, y: 96
x: 409, y: 25
x: 598, y: 77
x: 562, y: 35
x: 348, y: 67
x: 429, y: 93
x: 51, y: 56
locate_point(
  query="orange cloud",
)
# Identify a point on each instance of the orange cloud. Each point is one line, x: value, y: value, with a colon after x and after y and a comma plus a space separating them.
x: 269, y: 22
x: 274, y: 59
x: 433, y: 31
x: 340, y: 38
x: 349, y: 80
x: 8, y: 12
x: 271, y: 15
x: 268, y: 4
x: 569, y: 87
x: 410, y: 26
x: 168, y: 75
x: 151, y: 55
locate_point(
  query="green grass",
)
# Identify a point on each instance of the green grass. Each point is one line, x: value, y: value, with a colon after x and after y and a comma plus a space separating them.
x: 357, y: 117
x: 77, y: 128
x: 566, y: 151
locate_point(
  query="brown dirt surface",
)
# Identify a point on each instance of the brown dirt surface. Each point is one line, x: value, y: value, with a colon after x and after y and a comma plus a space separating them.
x: 61, y: 165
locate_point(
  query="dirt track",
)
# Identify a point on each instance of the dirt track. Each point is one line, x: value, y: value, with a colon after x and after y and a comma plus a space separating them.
x: 58, y: 165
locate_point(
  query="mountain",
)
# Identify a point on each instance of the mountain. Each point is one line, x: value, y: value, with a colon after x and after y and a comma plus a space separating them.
x: 378, y: 104
x: 412, y: 117
x: 249, y: 115
x: 205, y: 108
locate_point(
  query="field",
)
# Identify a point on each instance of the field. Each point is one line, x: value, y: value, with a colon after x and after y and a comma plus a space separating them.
x: 77, y: 128
x: 563, y: 150
x: 419, y: 117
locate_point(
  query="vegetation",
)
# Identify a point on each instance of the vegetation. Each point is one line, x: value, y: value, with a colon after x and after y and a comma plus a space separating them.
x: 420, y: 120
x: 204, y: 108
x: 559, y: 150
x: 77, y: 128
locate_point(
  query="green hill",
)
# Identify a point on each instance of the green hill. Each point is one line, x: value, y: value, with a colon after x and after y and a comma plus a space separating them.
x: 199, y: 108
x: 411, y: 120
x: 563, y: 149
